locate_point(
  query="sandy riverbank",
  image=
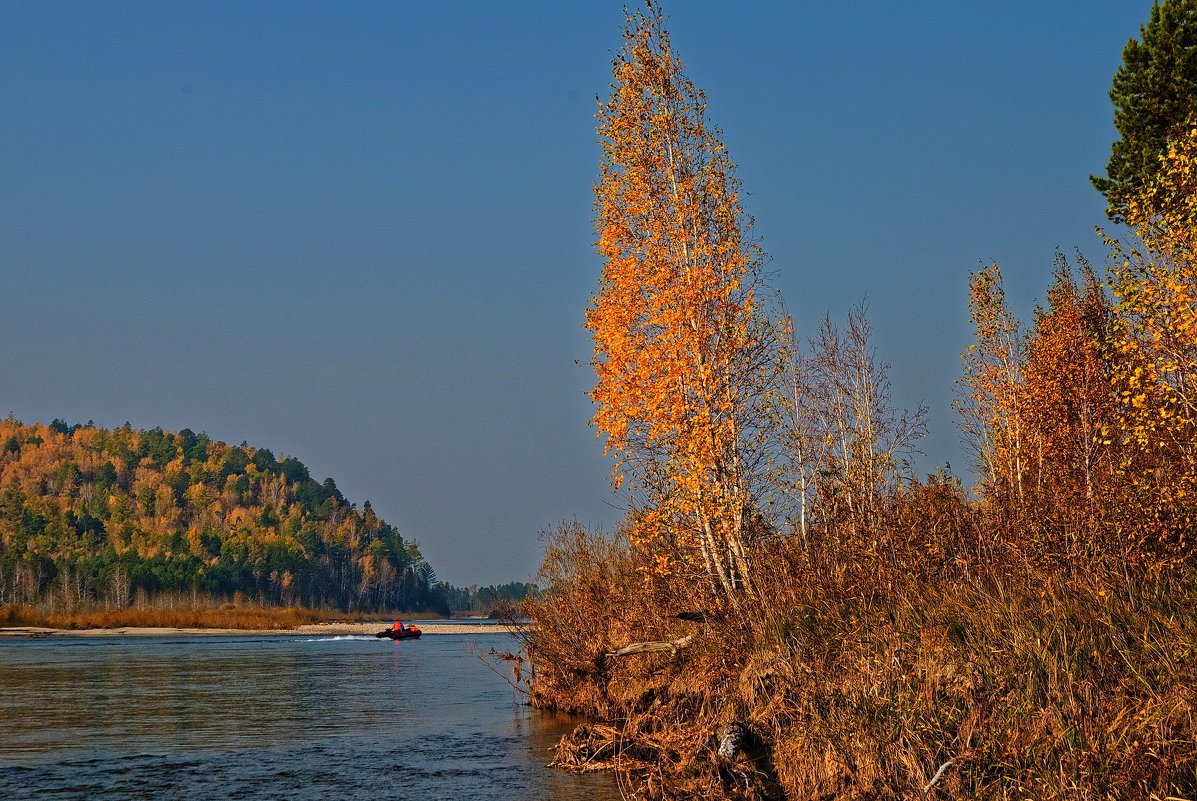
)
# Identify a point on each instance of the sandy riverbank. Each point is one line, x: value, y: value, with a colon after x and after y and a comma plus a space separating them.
x: 315, y: 628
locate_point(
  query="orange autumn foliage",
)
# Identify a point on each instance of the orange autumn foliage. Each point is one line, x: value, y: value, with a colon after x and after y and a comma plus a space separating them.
x: 682, y: 348
x: 1035, y: 405
x: 1064, y: 405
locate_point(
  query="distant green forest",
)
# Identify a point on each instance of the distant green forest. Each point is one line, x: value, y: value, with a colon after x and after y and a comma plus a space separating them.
x: 96, y: 517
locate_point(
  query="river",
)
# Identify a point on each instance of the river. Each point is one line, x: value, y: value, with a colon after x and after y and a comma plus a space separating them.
x: 272, y: 717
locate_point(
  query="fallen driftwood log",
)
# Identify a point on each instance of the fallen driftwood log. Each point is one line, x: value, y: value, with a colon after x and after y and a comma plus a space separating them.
x: 731, y: 738
x: 653, y: 646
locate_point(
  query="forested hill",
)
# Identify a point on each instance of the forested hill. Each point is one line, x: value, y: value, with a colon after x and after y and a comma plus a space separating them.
x: 113, y: 517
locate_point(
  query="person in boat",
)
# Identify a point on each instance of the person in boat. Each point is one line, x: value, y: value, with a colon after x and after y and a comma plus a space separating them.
x: 397, y: 626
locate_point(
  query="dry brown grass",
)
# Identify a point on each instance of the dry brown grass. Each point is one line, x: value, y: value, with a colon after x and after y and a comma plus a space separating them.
x: 857, y: 673
x: 211, y: 618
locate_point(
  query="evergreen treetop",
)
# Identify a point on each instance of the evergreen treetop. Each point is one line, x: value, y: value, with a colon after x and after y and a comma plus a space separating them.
x: 1154, y: 92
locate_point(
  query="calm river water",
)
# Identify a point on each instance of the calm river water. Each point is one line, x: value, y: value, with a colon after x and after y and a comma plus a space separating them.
x: 280, y: 717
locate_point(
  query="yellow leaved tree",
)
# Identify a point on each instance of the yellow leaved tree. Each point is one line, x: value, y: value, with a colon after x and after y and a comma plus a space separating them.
x: 1155, y: 347
x: 684, y: 351
x: 990, y: 391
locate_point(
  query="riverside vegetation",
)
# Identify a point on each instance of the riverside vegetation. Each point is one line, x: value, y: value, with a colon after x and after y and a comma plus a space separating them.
x: 787, y: 612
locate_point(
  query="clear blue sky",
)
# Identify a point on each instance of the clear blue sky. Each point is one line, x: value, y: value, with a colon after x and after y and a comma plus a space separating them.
x: 360, y: 234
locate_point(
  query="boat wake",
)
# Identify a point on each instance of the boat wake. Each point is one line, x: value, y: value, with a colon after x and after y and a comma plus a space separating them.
x: 339, y: 637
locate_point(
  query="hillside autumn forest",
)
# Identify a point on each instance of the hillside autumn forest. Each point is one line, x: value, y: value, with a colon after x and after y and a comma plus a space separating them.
x: 96, y: 518
x: 788, y: 610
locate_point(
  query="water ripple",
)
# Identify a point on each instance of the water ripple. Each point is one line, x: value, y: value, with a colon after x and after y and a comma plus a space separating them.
x: 270, y: 718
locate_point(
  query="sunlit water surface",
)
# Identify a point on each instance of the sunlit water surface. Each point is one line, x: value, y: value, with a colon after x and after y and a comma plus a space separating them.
x: 280, y: 717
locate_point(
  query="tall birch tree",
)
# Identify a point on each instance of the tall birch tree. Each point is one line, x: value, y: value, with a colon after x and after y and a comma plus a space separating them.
x: 683, y: 349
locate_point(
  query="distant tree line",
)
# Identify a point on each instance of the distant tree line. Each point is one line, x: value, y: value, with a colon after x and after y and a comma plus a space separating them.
x: 491, y: 600
x: 90, y: 516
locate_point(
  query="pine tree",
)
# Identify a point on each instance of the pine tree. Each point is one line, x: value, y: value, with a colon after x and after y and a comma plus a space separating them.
x: 1154, y: 93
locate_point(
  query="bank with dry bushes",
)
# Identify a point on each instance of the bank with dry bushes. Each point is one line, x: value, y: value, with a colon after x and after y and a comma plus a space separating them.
x: 786, y: 610
x: 862, y: 679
